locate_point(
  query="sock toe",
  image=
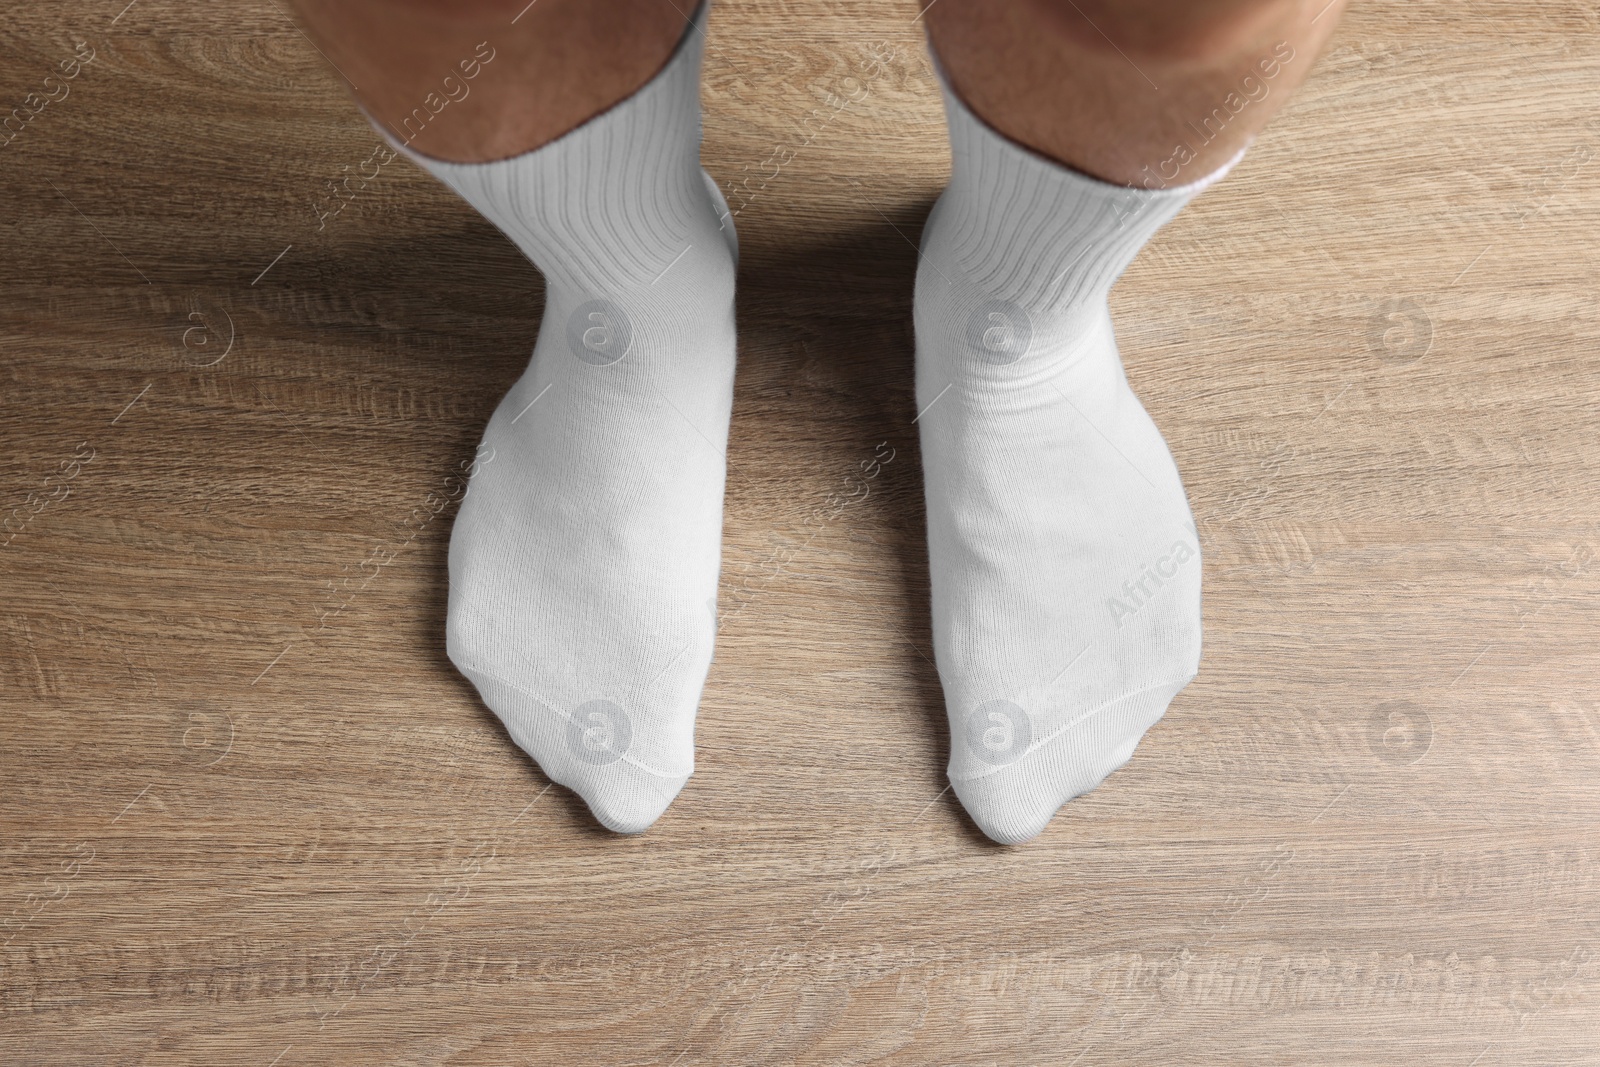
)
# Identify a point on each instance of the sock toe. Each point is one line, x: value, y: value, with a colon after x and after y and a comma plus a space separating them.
x: 595, y: 752
x: 631, y: 806
x: 1015, y: 802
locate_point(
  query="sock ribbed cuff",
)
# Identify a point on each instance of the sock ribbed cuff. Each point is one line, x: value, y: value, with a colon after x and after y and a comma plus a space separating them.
x: 634, y: 167
x: 1036, y: 232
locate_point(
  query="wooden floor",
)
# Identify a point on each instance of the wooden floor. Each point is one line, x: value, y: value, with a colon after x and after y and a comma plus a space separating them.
x: 250, y: 815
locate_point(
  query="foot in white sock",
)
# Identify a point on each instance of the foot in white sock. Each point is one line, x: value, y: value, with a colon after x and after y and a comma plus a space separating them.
x: 584, y: 560
x: 1064, y: 561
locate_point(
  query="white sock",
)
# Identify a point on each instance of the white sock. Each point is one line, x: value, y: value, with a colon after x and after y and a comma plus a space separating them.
x: 1064, y: 561
x: 583, y: 564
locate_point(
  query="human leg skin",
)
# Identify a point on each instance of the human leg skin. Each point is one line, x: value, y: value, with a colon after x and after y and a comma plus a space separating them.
x: 584, y: 558
x: 1064, y: 560
x: 559, y: 64
x: 1111, y: 87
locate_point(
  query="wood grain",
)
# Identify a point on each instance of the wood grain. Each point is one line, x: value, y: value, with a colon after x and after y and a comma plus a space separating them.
x: 252, y: 816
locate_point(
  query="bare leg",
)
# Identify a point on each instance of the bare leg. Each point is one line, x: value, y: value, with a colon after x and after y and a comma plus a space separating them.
x: 559, y: 64
x: 1113, y: 87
